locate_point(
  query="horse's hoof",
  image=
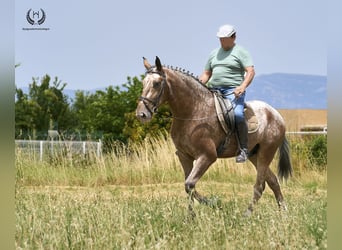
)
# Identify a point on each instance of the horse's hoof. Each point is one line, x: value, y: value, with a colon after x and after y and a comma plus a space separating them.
x: 191, y: 215
x: 248, y: 213
x: 214, y: 202
x: 282, y: 206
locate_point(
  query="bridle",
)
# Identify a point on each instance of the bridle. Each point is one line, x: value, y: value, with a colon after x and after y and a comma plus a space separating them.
x: 155, y: 101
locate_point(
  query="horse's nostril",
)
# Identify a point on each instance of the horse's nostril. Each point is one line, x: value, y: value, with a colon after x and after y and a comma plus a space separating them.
x: 142, y: 115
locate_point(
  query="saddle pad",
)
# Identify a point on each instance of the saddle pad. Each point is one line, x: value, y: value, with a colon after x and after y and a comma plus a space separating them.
x: 250, y: 117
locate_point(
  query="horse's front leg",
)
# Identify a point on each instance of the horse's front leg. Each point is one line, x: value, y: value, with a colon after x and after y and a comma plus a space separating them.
x: 200, y: 166
x: 193, y: 171
x: 187, y: 165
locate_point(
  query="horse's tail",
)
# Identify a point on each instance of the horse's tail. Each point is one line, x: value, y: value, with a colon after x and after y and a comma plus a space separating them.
x: 284, y: 164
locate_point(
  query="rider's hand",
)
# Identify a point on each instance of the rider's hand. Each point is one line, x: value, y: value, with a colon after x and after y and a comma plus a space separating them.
x: 238, y: 91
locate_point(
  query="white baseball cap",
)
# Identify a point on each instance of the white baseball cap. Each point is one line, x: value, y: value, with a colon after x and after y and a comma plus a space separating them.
x: 226, y: 30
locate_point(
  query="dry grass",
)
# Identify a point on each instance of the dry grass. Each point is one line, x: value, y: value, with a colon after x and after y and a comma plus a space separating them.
x: 155, y: 217
x: 295, y: 119
x: 134, y: 198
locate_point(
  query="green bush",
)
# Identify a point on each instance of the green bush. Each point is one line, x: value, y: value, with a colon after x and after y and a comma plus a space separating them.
x: 308, y: 152
x: 317, y: 149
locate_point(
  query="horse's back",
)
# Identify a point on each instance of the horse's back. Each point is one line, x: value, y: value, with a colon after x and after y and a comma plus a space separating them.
x: 268, y: 117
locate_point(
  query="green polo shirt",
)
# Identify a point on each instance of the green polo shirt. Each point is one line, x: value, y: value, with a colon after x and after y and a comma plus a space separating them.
x: 228, y: 67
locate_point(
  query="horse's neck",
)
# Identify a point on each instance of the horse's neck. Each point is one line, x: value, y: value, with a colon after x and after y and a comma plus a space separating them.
x: 186, y: 96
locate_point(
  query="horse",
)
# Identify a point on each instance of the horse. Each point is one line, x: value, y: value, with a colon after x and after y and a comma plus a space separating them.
x: 197, y: 134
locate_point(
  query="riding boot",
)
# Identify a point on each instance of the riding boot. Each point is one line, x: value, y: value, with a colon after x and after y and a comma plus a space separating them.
x: 242, y: 135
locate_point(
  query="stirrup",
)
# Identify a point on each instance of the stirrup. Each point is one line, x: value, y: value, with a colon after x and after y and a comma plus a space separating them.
x: 242, y: 157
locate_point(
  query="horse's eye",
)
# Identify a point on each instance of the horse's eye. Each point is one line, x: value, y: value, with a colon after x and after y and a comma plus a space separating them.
x: 156, y: 85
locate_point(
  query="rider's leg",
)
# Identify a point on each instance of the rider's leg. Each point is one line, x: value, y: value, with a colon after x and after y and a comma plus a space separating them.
x: 241, y: 128
x: 240, y: 122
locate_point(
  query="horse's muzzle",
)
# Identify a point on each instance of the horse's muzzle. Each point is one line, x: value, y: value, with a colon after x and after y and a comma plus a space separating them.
x: 142, y: 113
x: 143, y: 117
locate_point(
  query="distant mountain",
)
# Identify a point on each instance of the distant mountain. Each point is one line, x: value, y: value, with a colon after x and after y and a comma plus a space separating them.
x: 290, y: 91
x: 282, y: 91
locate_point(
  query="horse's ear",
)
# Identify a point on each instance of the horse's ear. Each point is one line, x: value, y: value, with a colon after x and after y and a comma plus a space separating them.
x: 158, y: 64
x: 146, y: 64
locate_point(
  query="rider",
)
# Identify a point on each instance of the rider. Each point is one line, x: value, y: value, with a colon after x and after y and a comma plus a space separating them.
x: 230, y: 69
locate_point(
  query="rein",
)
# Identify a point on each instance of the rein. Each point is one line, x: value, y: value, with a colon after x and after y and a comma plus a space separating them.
x: 156, y: 101
x: 195, y: 119
x: 212, y: 90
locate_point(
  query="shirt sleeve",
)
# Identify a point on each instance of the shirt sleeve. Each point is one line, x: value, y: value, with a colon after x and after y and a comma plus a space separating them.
x: 245, y: 58
x: 208, y: 66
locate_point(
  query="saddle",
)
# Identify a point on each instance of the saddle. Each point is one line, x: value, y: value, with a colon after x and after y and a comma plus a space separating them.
x: 225, y: 113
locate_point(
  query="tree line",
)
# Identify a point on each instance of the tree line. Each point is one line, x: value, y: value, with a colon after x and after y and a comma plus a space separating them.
x: 107, y: 114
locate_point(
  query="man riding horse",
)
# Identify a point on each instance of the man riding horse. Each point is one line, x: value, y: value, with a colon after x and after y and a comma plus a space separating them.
x: 198, y: 134
x: 230, y: 71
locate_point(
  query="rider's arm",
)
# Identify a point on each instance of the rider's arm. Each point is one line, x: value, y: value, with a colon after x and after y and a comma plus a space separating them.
x: 204, y: 78
x: 246, y: 82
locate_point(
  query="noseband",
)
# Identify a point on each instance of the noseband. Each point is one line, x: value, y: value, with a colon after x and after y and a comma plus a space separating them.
x: 155, y: 101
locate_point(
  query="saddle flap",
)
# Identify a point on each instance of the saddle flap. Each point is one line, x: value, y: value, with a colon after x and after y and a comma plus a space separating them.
x: 225, y: 113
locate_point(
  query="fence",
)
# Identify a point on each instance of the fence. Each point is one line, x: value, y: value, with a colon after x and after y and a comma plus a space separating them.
x: 52, y: 147
x: 308, y: 132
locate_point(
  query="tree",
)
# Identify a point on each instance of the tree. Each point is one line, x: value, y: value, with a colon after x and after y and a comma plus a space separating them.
x: 44, y: 108
x: 104, y: 111
x: 106, y: 114
x: 112, y: 112
x: 23, y: 114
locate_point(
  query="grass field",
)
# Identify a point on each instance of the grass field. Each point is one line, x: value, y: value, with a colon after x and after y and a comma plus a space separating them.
x: 134, y: 198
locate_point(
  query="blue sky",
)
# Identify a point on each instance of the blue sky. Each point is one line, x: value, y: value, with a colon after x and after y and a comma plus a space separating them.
x: 94, y: 44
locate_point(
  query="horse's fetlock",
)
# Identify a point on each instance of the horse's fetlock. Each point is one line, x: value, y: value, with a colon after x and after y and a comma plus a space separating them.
x: 282, y: 205
x: 189, y: 187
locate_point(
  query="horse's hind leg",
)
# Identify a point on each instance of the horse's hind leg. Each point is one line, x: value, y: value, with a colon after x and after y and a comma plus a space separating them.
x: 273, y: 183
x: 261, y: 162
x: 259, y: 188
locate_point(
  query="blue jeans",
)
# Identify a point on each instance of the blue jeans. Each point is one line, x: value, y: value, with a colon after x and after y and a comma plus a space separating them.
x: 238, y: 103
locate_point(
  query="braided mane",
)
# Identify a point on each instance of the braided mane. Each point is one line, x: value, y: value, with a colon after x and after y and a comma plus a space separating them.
x: 185, y: 73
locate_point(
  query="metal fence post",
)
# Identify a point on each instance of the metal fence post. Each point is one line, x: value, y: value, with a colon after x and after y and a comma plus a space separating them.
x: 84, y: 148
x: 98, y: 148
x: 41, y: 150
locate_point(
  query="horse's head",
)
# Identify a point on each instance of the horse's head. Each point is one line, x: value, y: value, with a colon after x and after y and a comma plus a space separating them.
x: 153, y: 90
